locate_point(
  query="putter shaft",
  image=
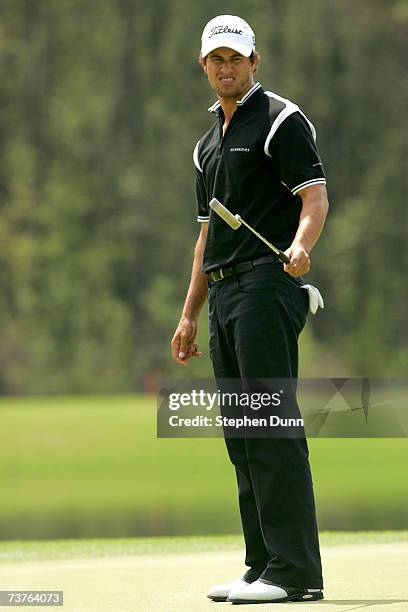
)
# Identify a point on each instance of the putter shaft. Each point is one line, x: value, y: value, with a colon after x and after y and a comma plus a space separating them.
x: 281, y: 255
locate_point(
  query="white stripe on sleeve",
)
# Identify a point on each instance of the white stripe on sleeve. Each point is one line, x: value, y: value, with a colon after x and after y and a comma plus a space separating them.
x: 289, y: 109
x: 195, y: 158
x: 316, y: 181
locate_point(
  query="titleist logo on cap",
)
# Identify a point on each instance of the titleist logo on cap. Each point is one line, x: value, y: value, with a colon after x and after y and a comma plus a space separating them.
x: 224, y: 30
x: 228, y: 31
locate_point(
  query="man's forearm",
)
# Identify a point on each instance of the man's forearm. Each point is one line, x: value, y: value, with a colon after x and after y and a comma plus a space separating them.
x: 197, y: 291
x: 312, y: 217
x: 184, y: 343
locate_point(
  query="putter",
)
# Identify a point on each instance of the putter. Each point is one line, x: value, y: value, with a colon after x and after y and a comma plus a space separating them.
x: 235, y: 221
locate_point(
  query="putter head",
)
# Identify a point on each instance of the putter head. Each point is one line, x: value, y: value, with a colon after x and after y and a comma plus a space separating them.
x: 225, y: 214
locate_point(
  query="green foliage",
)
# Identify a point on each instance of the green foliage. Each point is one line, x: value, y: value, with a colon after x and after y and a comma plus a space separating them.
x: 102, y: 106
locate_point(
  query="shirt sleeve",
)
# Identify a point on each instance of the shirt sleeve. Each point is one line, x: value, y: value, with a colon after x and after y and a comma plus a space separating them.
x: 203, y: 213
x: 295, y: 156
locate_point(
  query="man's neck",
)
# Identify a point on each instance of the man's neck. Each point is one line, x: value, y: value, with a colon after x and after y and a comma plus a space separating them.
x: 229, y: 105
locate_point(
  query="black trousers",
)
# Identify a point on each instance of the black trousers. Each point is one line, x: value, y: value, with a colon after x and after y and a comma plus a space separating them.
x: 254, y: 320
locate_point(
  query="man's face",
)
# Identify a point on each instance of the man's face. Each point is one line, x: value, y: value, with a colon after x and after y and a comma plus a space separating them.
x: 229, y: 73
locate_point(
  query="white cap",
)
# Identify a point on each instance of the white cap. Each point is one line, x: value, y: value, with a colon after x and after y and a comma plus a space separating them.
x: 228, y: 31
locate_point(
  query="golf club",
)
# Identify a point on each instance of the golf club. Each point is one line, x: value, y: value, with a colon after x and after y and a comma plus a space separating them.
x: 235, y: 221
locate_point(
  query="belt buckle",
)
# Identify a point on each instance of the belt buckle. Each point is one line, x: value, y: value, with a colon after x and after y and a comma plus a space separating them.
x: 218, y: 275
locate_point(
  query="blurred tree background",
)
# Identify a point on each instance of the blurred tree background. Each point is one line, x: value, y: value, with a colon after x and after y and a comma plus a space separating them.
x: 102, y: 104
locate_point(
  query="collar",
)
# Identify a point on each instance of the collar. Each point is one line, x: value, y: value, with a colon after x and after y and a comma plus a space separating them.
x: 248, y: 94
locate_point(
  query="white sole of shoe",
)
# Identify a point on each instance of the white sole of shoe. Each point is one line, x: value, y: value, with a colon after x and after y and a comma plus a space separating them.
x: 300, y: 597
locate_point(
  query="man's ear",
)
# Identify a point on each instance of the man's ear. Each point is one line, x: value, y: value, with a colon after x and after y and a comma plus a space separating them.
x: 255, y: 62
x: 203, y: 61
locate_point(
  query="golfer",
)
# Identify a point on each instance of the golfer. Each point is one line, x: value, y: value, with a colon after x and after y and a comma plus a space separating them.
x: 260, y: 160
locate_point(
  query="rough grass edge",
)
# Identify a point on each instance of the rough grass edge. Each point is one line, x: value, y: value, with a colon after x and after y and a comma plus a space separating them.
x: 20, y: 551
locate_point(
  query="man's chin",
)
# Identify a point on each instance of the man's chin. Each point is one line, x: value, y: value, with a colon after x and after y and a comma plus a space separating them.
x: 228, y: 93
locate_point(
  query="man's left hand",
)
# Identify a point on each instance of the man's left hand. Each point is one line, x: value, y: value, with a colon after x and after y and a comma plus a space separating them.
x: 299, y: 260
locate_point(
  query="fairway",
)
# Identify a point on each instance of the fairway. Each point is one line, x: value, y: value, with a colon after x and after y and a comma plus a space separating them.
x: 362, y: 570
x: 106, y: 474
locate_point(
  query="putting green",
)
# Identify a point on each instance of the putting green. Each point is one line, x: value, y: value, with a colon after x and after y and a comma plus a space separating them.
x: 361, y: 571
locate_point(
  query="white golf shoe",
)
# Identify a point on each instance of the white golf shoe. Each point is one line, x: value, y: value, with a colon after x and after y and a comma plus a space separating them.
x: 262, y: 592
x: 220, y: 592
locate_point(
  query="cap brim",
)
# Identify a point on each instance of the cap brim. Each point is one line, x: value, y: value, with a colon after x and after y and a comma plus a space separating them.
x: 225, y: 41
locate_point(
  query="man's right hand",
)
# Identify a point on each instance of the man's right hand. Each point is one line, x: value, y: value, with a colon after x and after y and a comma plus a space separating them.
x: 183, y: 344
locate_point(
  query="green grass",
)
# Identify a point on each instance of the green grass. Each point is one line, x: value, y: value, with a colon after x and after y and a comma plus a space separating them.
x: 87, y: 466
x: 16, y: 551
x: 156, y: 574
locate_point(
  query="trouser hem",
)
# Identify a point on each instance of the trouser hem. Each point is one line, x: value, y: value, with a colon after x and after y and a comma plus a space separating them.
x: 289, y: 581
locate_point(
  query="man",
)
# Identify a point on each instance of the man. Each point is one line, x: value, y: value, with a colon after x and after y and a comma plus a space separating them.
x: 260, y: 160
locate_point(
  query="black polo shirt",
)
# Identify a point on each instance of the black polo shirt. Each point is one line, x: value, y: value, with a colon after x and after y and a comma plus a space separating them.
x: 266, y: 157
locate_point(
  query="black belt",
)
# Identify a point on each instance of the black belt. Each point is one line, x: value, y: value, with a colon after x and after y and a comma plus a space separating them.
x: 245, y: 266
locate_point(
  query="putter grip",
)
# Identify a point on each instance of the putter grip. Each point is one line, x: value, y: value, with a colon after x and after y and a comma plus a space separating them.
x: 283, y: 258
